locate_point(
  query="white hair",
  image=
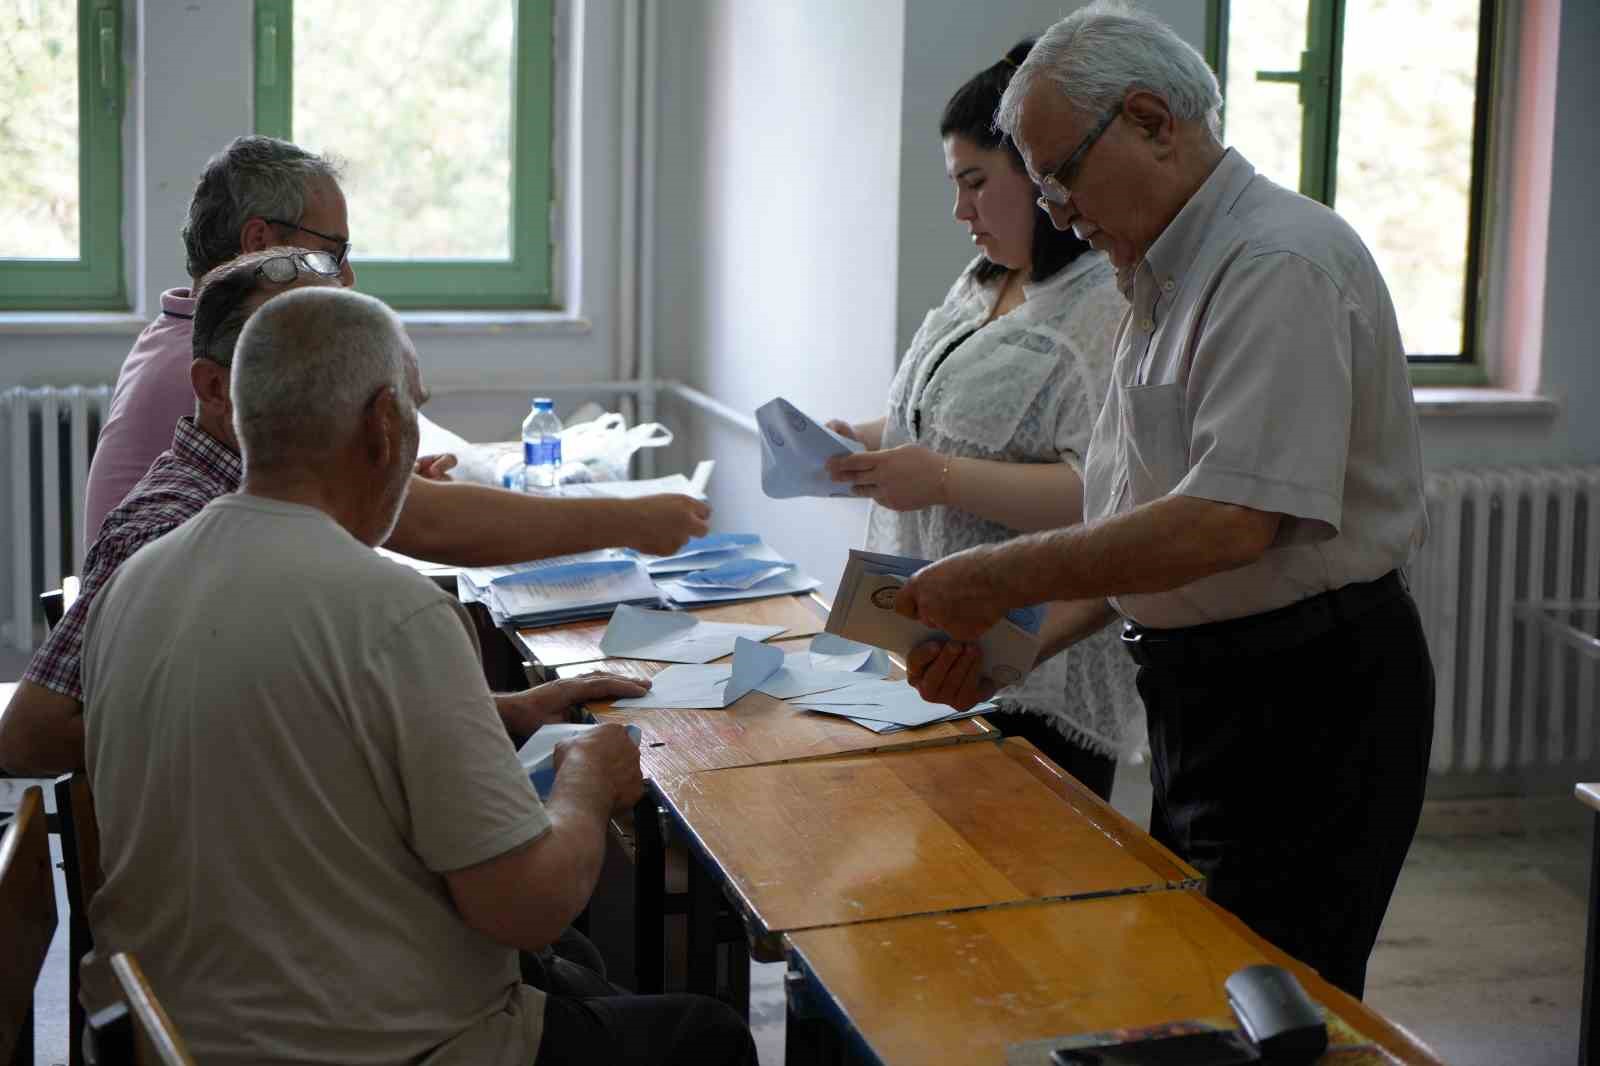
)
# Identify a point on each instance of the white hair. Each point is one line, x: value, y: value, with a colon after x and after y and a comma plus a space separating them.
x: 1096, y: 54
x: 306, y: 365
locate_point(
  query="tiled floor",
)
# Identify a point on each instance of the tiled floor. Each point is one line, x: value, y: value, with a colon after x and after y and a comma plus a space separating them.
x: 1481, y: 955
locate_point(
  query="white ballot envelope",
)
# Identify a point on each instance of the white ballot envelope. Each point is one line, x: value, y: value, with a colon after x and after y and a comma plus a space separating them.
x: 863, y: 610
x: 795, y: 451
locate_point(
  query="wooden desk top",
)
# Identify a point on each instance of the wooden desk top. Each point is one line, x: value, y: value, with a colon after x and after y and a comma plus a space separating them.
x: 579, y: 642
x: 754, y: 730
x: 960, y: 988
x: 862, y: 837
x: 1588, y: 795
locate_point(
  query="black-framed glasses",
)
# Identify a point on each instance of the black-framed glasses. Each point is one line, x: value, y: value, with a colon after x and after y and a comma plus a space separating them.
x: 282, y: 269
x: 342, y: 241
x: 1054, y: 188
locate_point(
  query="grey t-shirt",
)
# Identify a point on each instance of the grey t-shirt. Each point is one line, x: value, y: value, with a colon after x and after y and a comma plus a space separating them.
x: 290, y: 742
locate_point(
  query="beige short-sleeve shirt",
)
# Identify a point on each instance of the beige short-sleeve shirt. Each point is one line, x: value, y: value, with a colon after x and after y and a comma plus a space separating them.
x: 1260, y: 364
x: 291, y: 742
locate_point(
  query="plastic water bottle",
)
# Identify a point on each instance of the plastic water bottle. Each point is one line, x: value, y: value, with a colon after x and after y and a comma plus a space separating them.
x: 541, y: 447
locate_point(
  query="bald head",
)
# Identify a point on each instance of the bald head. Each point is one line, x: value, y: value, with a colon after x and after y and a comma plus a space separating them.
x: 308, y: 365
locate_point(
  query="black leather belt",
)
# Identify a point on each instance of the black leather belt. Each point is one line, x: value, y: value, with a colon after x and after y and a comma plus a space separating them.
x: 1260, y: 634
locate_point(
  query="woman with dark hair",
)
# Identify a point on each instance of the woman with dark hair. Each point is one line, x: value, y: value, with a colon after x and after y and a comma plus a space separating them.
x: 990, y: 414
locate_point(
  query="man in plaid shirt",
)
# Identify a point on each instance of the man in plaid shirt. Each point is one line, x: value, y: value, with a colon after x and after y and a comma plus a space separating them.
x: 41, y: 733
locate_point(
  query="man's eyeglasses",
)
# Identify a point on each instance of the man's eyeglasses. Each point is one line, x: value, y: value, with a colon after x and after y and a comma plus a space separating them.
x: 282, y: 269
x: 342, y: 242
x: 1054, y: 188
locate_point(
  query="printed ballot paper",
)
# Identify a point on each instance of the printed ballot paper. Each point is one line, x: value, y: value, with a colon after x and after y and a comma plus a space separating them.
x: 795, y: 451
x: 538, y: 755
x: 863, y: 609
x: 674, y: 636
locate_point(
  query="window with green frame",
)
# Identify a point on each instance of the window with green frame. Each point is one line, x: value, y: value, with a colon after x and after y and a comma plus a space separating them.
x: 1378, y: 108
x: 440, y: 112
x: 61, y: 94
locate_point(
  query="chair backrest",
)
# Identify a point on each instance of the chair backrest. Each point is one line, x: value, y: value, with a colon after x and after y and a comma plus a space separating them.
x: 80, y: 843
x: 127, y: 1025
x: 27, y: 921
x: 57, y: 601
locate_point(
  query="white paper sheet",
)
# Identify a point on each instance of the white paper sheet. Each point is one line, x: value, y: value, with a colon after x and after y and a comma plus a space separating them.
x: 674, y: 636
x: 685, y: 687
x: 795, y: 451
x: 832, y: 652
x: 564, y: 591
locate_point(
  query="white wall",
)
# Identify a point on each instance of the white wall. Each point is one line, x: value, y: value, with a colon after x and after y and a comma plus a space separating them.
x: 947, y: 42
x: 779, y: 165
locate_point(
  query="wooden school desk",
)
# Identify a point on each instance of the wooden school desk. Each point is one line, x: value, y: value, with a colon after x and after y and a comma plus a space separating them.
x: 754, y: 730
x: 860, y: 838
x: 960, y: 988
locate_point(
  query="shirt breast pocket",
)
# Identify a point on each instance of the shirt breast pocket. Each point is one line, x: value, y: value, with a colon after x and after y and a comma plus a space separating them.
x: 1155, y: 441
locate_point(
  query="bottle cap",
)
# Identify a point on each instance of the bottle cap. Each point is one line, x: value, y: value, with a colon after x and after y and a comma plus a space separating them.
x: 543, y: 403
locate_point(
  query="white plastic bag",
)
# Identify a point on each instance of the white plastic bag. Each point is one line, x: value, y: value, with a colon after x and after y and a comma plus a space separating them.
x: 604, y: 445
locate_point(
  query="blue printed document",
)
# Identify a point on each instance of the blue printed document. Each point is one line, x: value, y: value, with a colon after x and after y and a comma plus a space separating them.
x: 795, y: 451
x: 787, y: 583
x: 674, y: 636
x: 703, y: 552
x: 568, y: 592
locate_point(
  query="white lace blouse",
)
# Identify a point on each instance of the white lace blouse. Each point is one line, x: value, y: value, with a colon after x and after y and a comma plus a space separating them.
x: 1025, y: 388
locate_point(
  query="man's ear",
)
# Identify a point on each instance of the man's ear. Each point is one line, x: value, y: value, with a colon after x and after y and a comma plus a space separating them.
x: 211, y: 386
x: 380, y: 427
x: 1151, y: 116
x: 256, y: 234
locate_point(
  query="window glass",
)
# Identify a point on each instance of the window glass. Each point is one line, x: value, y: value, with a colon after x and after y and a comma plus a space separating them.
x: 416, y: 100
x: 1405, y: 154
x: 39, y: 215
x: 1262, y: 118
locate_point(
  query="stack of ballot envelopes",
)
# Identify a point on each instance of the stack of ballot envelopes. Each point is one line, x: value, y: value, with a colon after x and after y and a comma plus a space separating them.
x: 712, y: 569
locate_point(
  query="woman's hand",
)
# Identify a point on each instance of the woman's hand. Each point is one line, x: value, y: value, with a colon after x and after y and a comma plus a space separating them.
x: 844, y: 429
x: 907, y: 478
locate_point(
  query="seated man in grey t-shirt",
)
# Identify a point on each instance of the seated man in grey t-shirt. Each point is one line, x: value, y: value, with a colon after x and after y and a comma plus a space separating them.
x: 315, y: 832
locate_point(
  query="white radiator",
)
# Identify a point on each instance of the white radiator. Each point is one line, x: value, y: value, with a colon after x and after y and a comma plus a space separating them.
x: 50, y: 435
x: 1500, y: 537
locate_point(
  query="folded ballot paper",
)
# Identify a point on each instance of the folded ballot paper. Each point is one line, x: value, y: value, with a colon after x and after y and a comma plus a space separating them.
x: 674, y: 636
x: 795, y: 451
x: 863, y: 610
x: 755, y: 668
x: 538, y: 755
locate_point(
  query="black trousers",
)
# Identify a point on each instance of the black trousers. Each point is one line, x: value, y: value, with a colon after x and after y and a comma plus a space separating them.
x: 1294, y: 780
x: 643, y: 1031
x: 1097, y: 772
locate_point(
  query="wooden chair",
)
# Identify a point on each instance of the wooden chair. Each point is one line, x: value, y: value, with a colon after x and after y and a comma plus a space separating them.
x: 27, y: 923
x: 127, y: 1026
x: 80, y: 862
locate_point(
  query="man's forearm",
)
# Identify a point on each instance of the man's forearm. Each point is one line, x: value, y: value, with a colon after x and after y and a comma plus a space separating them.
x: 1162, y: 545
x: 473, y: 525
x: 41, y: 733
x: 1067, y: 623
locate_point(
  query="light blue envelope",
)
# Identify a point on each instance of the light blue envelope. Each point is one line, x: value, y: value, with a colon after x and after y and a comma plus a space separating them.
x: 795, y: 451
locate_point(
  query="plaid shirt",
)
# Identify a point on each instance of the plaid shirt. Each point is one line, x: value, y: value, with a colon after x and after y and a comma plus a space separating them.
x: 197, y: 470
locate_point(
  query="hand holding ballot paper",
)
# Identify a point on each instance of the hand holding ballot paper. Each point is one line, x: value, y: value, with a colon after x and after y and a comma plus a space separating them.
x: 795, y: 451
x: 865, y: 609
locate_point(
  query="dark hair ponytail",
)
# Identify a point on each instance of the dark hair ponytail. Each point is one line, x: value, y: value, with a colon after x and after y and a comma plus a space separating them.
x: 969, y: 114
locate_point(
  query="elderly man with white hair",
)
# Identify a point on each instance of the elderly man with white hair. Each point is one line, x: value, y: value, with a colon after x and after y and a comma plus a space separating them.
x: 1252, y: 489
x: 315, y: 832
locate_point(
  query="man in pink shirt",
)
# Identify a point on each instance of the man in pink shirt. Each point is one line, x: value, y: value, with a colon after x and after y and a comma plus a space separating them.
x: 256, y: 193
